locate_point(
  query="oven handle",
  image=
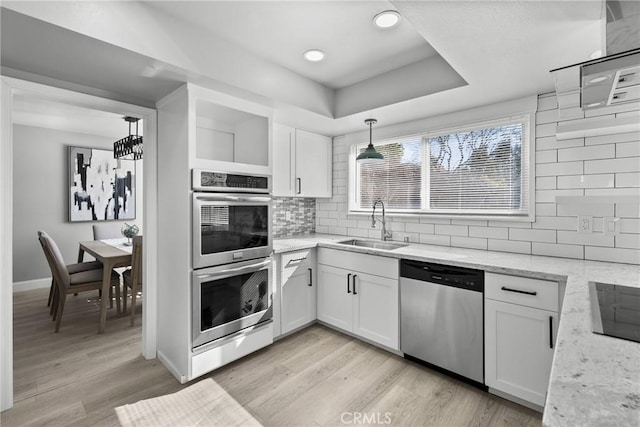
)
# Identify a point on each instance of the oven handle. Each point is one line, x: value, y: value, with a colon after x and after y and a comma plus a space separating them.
x: 256, y: 266
x: 229, y: 198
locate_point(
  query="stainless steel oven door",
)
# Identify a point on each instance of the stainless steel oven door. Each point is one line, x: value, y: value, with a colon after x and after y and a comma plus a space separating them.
x: 230, y: 228
x: 229, y: 298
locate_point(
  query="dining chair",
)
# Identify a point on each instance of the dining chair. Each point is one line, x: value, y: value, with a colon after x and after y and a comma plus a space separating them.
x: 107, y: 230
x: 70, y: 283
x: 72, y: 268
x: 132, y: 278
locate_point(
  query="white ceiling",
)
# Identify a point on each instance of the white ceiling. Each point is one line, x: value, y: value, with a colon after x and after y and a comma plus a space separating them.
x: 485, y: 52
x: 281, y: 31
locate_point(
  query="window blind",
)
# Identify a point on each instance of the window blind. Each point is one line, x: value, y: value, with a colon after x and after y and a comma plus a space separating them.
x: 481, y: 170
x: 397, y: 180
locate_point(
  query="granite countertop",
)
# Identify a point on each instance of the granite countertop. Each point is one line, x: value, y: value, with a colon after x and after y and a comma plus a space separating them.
x: 595, y: 379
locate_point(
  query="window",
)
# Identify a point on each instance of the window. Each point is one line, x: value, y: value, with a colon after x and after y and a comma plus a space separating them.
x: 482, y: 170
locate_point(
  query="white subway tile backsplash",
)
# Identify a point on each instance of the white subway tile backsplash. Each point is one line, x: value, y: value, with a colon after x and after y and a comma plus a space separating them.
x: 558, y: 250
x: 629, y: 164
x: 452, y: 230
x: 612, y: 139
x: 435, y: 221
x: 548, y: 129
x: 547, y: 116
x: 556, y: 223
x: 477, y: 223
x: 551, y: 143
x: 509, y: 246
x: 571, y: 113
x: 628, y: 179
x: 629, y: 256
x: 629, y: 209
x: 585, y: 208
x: 489, y: 232
x: 549, y: 196
x: 607, y: 151
x: 532, y: 235
x: 510, y: 224
x: 434, y: 239
x: 469, y: 242
x: 547, y: 156
x: 628, y: 241
x: 586, y: 181
x: 546, y: 183
x: 628, y: 149
x: 592, y: 239
x: 358, y: 232
x: 328, y: 222
x: 612, y: 192
x: 420, y: 228
x: 630, y: 225
x: 555, y: 169
x: 547, y: 102
x: 545, y: 209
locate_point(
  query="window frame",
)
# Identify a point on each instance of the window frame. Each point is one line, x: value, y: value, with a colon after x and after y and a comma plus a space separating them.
x: 528, y: 167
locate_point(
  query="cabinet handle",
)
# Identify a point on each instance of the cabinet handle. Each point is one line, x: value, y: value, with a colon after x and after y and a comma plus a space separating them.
x: 550, y: 331
x: 354, y: 284
x: 348, y: 279
x: 310, y: 277
x: 299, y: 180
x: 519, y: 291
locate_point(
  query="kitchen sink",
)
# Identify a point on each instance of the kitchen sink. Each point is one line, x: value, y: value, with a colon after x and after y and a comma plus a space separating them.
x: 375, y: 244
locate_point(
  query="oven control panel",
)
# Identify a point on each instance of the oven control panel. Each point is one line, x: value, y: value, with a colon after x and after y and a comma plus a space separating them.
x: 204, y: 180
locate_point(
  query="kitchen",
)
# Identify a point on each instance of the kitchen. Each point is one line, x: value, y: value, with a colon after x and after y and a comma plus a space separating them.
x: 559, y: 199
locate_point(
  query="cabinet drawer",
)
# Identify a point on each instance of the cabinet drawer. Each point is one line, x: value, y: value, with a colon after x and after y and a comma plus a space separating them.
x: 525, y: 291
x: 352, y: 261
x: 295, y: 263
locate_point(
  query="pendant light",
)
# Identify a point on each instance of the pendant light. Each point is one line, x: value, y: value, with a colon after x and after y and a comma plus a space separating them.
x: 370, y: 155
x: 129, y: 147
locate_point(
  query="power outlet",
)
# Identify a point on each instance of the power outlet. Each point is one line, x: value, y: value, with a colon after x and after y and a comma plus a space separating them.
x: 611, y: 225
x: 585, y: 224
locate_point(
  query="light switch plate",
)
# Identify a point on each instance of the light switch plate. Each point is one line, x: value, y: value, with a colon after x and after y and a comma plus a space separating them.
x: 610, y: 225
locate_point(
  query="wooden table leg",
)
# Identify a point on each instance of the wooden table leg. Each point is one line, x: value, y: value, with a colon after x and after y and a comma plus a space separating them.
x: 80, y: 255
x: 107, y: 266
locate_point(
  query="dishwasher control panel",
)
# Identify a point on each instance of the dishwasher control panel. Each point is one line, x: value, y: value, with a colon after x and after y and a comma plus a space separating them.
x: 459, y: 277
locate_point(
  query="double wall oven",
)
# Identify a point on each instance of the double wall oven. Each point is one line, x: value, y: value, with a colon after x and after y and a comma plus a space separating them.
x: 232, y: 245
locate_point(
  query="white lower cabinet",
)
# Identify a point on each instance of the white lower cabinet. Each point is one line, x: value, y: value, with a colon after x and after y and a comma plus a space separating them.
x: 357, y: 301
x: 519, y: 339
x: 298, y: 290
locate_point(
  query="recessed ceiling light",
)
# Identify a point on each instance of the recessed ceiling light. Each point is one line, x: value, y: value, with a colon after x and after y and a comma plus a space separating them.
x: 314, y: 55
x: 594, y: 104
x: 386, y: 19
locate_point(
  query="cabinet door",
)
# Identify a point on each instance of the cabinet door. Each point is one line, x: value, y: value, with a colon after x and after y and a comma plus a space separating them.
x: 298, y: 299
x: 519, y: 345
x: 335, y: 297
x: 376, y: 309
x: 283, y: 160
x: 313, y: 165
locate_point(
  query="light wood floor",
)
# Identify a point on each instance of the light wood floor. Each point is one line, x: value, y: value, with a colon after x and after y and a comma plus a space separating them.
x: 315, y: 377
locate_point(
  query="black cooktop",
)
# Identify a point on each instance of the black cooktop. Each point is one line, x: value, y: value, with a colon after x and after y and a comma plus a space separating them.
x: 615, y: 310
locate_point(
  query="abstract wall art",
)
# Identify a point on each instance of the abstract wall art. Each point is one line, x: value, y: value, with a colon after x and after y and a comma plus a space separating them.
x: 101, y: 188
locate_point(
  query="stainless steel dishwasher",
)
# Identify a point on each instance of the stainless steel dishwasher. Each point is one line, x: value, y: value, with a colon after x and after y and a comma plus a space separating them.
x: 442, y: 321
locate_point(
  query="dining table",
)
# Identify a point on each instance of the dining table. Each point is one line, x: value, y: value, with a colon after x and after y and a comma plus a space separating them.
x: 112, y: 253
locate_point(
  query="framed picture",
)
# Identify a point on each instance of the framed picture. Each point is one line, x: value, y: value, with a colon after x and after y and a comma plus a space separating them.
x: 101, y: 188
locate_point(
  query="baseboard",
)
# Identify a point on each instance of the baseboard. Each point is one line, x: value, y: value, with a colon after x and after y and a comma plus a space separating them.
x: 517, y: 400
x: 29, y: 285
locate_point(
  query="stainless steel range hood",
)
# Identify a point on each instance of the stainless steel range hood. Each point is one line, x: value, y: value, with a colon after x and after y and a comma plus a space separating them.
x: 612, y: 80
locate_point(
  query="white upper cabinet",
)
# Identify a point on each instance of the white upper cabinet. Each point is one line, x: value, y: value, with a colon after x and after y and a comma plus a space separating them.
x: 302, y: 163
x: 223, y: 133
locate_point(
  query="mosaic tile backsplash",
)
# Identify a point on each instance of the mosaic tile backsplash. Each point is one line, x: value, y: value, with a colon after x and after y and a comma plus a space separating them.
x: 301, y: 220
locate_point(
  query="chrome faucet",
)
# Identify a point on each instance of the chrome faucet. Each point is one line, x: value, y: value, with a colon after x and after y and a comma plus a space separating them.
x: 385, y: 234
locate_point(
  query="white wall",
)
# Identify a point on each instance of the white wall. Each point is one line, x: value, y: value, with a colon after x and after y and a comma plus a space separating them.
x: 40, y: 197
x: 598, y: 169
